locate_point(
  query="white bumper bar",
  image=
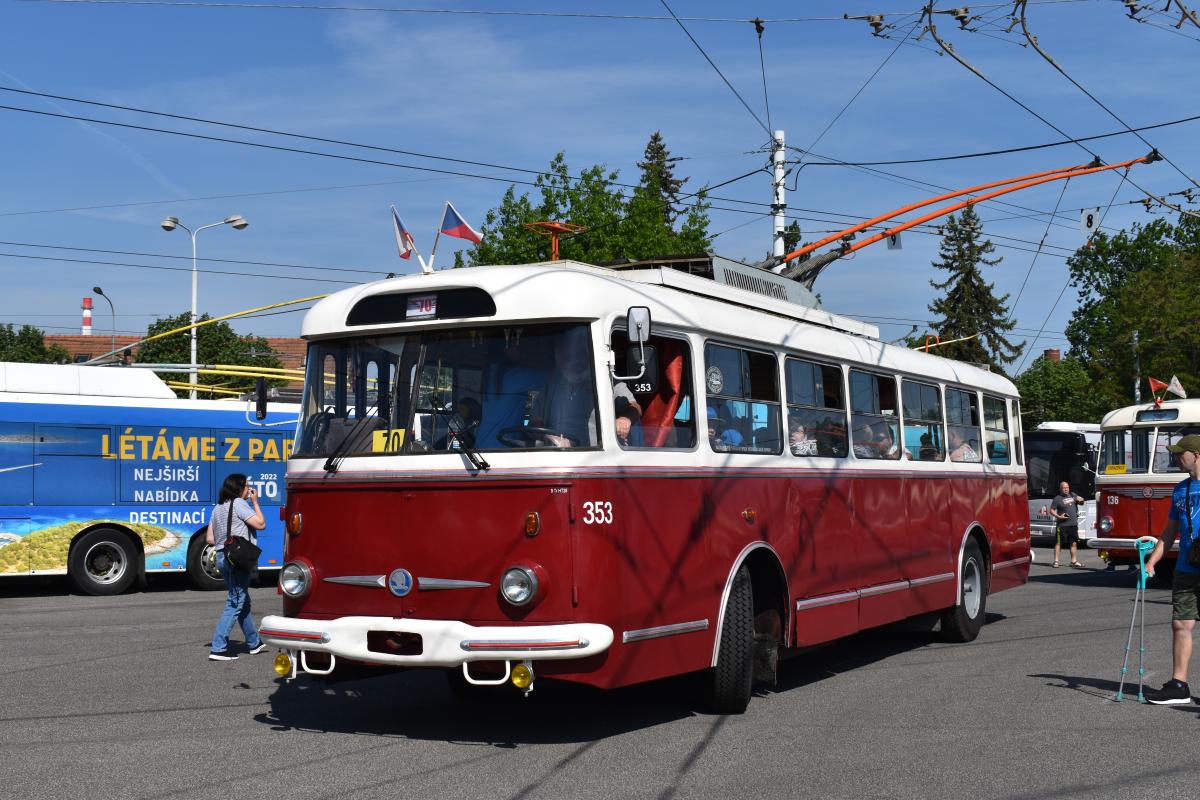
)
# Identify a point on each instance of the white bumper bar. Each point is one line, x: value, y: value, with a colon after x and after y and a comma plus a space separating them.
x: 444, y: 643
x: 1099, y: 543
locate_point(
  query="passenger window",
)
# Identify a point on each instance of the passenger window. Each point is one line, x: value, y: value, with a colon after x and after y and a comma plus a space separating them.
x: 1017, y: 447
x: 995, y: 423
x: 656, y: 410
x: 816, y: 409
x: 743, y: 400
x: 962, y: 414
x: 923, y: 437
x: 873, y: 423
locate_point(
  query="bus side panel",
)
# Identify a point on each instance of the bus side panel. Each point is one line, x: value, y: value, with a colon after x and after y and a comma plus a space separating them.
x: 934, y: 542
x: 822, y: 560
x: 1009, y: 541
x: 881, y: 548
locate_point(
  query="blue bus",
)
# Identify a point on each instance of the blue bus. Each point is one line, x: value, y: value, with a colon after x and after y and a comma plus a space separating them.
x: 105, y: 475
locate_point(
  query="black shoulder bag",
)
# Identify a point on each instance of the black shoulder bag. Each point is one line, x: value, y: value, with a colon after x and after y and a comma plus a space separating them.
x: 241, y: 553
x: 1193, y: 553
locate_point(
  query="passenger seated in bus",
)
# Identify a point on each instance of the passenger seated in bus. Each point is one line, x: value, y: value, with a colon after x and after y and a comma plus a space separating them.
x: 960, y: 450
x: 627, y: 414
x: 800, y: 443
x: 927, y: 451
x: 722, y: 435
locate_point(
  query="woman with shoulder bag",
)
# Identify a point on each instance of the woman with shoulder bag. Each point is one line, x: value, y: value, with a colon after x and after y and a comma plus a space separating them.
x: 233, y: 517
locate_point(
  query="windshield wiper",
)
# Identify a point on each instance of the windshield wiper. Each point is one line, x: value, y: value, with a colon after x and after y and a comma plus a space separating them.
x: 331, y: 463
x: 465, y: 447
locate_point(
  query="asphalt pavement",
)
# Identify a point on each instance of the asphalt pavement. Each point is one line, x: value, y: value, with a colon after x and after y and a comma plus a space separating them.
x: 114, y: 697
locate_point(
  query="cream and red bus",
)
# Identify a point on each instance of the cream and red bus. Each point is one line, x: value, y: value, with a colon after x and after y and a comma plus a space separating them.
x: 1137, y: 475
x: 613, y: 475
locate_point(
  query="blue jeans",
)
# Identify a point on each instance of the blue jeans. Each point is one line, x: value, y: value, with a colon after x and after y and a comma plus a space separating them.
x: 237, y: 607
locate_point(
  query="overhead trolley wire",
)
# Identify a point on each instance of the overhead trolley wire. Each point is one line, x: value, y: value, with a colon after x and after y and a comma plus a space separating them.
x: 713, y: 64
x: 177, y: 269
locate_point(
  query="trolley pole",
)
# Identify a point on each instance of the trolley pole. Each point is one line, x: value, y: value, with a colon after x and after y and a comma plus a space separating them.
x: 779, y: 203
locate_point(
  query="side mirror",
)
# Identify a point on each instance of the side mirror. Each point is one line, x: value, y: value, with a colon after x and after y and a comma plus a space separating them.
x: 260, y: 399
x: 639, y: 324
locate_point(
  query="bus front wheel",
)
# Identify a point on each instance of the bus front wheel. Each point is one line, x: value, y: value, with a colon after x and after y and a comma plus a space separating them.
x: 202, y: 565
x: 731, y: 681
x: 103, y: 562
x: 962, y: 622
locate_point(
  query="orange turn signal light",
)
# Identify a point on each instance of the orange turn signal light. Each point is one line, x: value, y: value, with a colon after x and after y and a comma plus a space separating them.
x: 294, y: 523
x: 533, y: 524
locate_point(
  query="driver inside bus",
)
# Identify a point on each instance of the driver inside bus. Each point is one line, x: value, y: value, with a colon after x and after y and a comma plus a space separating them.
x: 569, y: 410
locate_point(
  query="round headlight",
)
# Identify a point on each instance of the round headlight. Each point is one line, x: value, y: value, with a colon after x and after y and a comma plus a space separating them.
x: 519, y: 586
x: 1106, y: 524
x: 295, y: 579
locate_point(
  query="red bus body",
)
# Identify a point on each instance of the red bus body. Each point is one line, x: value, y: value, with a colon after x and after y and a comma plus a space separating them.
x: 638, y: 549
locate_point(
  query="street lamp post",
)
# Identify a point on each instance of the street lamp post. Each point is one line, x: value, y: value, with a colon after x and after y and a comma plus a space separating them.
x: 113, y: 310
x: 171, y: 223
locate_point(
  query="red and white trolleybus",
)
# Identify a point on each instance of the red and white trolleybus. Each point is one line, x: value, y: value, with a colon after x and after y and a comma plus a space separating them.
x: 611, y: 475
x: 1137, y: 474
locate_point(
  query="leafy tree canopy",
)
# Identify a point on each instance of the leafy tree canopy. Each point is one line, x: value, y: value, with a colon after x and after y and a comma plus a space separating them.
x: 651, y: 220
x: 28, y: 345
x: 1056, y: 390
x: 215, y: 344
x: 970, y: 307
x: 1144, y: 280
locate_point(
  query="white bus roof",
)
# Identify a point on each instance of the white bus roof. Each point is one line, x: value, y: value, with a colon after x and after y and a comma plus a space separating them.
x: 1189, y: 412
x: 77, y: 380
x: 570, y: 290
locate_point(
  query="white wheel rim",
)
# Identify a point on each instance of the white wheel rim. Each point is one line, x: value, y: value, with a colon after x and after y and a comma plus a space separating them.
x: 972, y: 588
x: 208, y: 562
x: 105, y: 563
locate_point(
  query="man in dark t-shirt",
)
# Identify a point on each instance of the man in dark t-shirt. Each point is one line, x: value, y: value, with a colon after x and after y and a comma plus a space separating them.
x: 1065, y: 508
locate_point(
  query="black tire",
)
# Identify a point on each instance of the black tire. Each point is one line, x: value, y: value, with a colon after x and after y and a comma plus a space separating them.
x: 103, y: 562
x: 202, y: 566
x: 730, y: 682
x: 962, y: 622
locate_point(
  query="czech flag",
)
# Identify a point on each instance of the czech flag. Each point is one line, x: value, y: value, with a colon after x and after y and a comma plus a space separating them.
x: 404, y: 239
x: 454, y: 225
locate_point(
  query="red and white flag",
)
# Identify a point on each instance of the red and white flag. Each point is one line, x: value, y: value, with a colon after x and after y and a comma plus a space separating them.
x: 1176, y: 388
x: 454, y: 225
x: 1156, y: 385
x: 404, y: 239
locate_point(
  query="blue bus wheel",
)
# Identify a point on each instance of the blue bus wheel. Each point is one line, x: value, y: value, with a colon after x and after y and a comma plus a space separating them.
x: 103, y: 562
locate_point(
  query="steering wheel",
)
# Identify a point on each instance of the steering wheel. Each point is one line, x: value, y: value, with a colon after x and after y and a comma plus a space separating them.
x: 520, y: 436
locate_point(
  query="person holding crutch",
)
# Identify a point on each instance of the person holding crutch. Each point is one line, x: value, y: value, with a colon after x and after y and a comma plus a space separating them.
x: 1182, y: 521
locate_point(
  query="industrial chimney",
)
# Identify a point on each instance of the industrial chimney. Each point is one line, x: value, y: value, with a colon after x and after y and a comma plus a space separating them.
x: 87, y: 317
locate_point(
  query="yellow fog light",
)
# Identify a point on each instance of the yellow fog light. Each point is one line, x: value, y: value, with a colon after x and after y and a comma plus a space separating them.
x: 522, y: 676
x: 283, y: 665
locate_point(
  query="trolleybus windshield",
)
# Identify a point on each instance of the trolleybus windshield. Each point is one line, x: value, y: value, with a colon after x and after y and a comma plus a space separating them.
x: 496, y: 388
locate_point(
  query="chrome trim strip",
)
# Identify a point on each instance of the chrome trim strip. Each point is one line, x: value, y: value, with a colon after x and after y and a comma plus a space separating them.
x: 531, y: 645
x: 886, y: 588
x: 1012, y: 562
x: 1136, y: 491
x: 664, y: 630
x: 378, y: 581
x: 945, y: 576
x: 827, y: 600
x: 438, y: 584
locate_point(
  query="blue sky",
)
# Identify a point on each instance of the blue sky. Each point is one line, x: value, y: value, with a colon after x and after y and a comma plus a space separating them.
x: 515, y: 90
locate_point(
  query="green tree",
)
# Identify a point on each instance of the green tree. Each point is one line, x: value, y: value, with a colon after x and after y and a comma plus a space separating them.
x: 1142, y: 280
x: 649, y: 221
x: 1056, y: 390
x: 28, y: 345
x: 970, y: 307
x: 218, y: 343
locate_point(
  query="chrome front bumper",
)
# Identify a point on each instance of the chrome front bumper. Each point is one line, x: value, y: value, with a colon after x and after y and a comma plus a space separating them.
x: 443, y: 643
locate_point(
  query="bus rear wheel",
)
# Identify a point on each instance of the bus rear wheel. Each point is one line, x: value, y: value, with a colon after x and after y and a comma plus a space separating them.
x: 103, y: 562
x: 962, y: 622
x: 202, y: 565
x: 730, y: 682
